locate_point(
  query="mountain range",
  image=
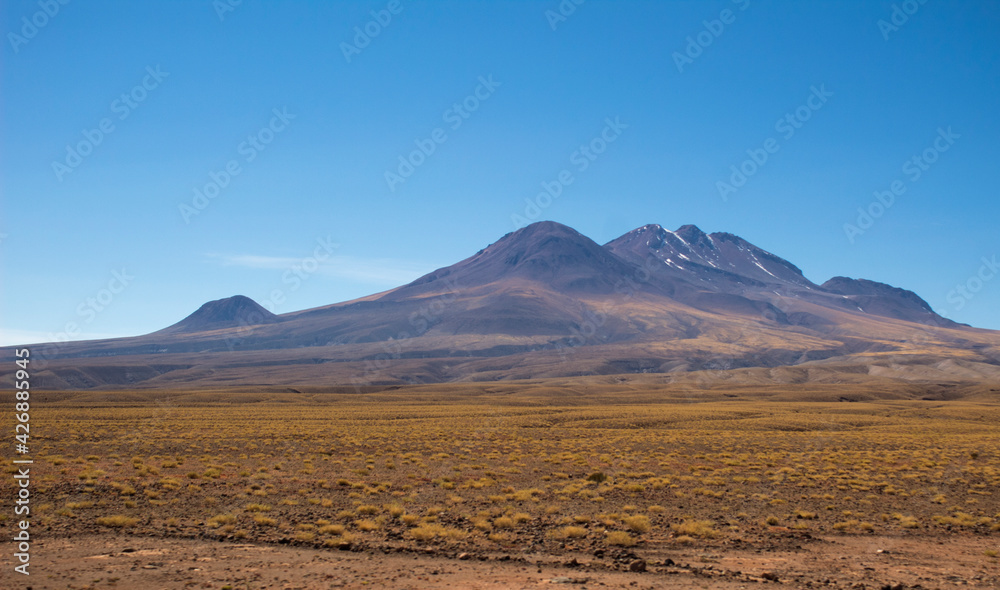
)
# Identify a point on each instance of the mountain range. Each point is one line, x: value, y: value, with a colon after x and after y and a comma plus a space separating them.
x: 546, y: 301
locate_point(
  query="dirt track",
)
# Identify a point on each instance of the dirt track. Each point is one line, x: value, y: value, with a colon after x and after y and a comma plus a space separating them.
x: 111, y: 561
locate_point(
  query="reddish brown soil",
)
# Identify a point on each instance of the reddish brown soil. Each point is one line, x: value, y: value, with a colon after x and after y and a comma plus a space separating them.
x: 126, y: 562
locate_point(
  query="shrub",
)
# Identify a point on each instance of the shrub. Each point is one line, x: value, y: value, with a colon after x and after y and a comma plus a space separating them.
x: 117, y: 521
x: 482, y: 525
x: 395, y: 510
x: 430, y: 531
x: 345, y: 538
x: 366, y: 525
x: 409, y: 519
x: 639, y: 523
x: 571, y: 532
x: 220, y: 520
x: 853, y: 524
x: 620, y: 539
x: 696, y: 528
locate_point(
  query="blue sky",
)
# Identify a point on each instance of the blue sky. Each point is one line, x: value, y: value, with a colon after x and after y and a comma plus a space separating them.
x: 158, y: 99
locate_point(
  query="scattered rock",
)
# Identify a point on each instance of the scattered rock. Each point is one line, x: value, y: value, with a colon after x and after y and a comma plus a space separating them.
x: 771, y: 576
x: 464, y: 556
x: 638, y: 565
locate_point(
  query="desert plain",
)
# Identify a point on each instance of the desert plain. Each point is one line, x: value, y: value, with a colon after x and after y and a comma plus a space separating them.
x: 598, y: 482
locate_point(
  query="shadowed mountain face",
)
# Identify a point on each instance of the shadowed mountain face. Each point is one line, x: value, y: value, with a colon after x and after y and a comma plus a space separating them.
x: 885, y: 300
x: 232, y: 312
x: 542, y: 301
x: 550, y: 254
x: 721, y: 267
x: 716, y: 262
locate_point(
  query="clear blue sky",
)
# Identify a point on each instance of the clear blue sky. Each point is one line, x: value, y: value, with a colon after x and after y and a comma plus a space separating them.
x: 551, y: 85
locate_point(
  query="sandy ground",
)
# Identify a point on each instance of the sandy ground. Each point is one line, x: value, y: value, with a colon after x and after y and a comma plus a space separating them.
x: 127, y: 562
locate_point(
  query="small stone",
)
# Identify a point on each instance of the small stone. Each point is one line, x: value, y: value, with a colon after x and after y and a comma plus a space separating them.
x: 464, y: 556
x: 773, y: 577
x: 638, y: 565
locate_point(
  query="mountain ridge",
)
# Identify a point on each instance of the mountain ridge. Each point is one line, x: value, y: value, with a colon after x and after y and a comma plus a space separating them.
x: 547, y: 300
x: 229, y: 312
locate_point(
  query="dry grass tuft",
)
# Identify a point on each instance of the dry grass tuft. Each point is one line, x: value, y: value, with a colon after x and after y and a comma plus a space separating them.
x: 696, y: 528
x: 117, y: 521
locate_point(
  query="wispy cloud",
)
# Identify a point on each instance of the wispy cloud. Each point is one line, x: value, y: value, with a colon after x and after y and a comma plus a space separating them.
x: 383, y: 271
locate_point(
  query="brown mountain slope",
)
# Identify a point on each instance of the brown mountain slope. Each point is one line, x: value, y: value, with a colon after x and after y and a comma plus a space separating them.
x: 547, y: 301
